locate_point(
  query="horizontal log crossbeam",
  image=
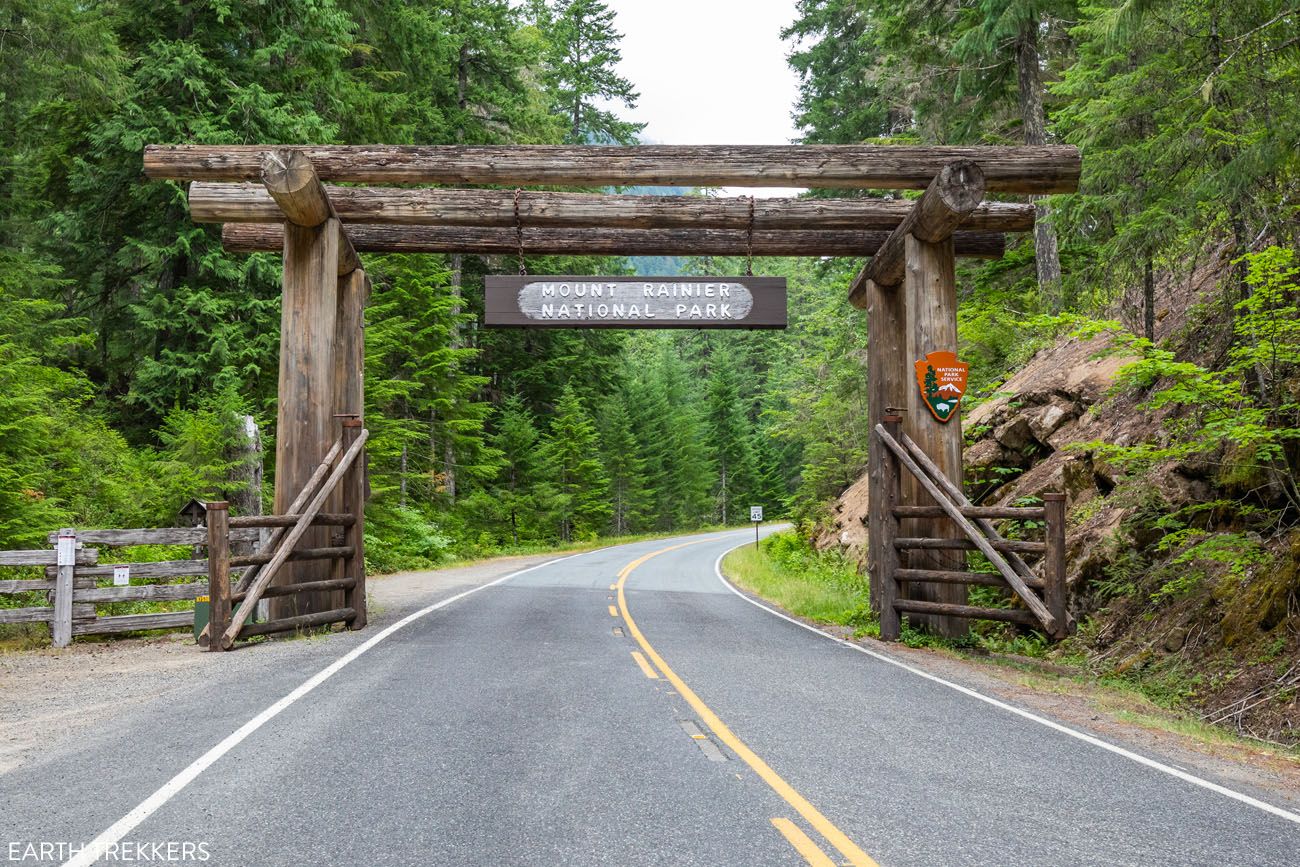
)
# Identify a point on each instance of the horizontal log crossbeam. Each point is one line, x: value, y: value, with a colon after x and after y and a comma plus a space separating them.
x: 367, y: 238
x: 1020, y: 169
x: 395, y: 206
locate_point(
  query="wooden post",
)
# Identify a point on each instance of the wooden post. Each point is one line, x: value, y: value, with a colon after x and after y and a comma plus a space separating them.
x: 886, y: 384
x: 305, y: 428
x: 930, y: 288
x: 218, y: 573
x: 354, y: 503
x: 65, y: 557
x: 882, y: 512
x: 1054, y: 562
x: 349, y: 383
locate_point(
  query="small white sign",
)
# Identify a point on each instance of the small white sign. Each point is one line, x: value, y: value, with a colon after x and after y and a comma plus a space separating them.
x: 67, y: 550
x: 121, y: 576
x: 756, y: 513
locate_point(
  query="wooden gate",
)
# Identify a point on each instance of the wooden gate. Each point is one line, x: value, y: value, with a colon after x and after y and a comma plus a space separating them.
x: 975, y: 524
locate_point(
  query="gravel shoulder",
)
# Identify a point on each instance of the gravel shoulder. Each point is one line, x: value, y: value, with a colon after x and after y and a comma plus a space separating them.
x: 50, y: 698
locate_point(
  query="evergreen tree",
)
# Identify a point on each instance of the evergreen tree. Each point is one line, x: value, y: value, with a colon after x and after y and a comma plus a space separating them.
x: 580, y: 72
x: 730, y: 435
x: 623, y: 465
x: 570, y: 464
x: 516, y: 441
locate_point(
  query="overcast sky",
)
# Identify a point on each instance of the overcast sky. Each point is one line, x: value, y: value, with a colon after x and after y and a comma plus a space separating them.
x: 709, y: 71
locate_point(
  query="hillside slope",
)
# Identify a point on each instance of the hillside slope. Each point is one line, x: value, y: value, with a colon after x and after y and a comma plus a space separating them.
x: 1183, y: 575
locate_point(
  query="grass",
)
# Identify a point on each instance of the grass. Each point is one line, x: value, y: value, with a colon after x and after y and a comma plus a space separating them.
x: 821, y: 586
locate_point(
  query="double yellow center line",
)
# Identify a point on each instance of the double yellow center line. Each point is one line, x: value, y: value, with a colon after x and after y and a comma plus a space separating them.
x: 837, y: 838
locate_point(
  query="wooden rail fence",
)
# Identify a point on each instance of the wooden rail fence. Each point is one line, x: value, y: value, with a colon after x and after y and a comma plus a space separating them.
x: 1042, y: 596
x: 73, y: 570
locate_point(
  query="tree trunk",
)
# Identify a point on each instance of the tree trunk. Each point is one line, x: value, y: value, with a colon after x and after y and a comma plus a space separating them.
x: 1030, y: 79
x: 1149, y: 302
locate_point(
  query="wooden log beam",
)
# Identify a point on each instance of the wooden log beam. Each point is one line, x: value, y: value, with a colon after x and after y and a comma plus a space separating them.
x: 395, y: 206
x: 1003, y: 546
x: 133, y: 623
x: 269, y: 237
x: 939, y: 576
x: 301, y: 621
x: 1018, y: 513
x: 970, y: 612
x: 323, y: 519
x: 951, y: 197
x: 1036, y: 170
x: 299, y: 197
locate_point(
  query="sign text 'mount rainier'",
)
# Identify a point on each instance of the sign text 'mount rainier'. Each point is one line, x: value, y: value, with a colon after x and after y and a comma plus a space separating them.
x: 549, y: 301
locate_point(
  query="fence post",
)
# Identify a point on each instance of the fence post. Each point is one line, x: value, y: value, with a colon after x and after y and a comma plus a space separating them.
x: 887, y: 555
x: 65, y: 556
x: 1054, y: 561
x: 354, y: 504
x: 218, y: 572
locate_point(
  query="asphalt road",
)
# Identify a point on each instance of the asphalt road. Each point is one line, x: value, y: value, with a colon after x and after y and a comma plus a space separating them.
x: 622, y: 706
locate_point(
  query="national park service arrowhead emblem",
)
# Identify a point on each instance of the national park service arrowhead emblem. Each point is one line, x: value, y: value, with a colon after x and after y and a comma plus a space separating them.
x: 942, y: 379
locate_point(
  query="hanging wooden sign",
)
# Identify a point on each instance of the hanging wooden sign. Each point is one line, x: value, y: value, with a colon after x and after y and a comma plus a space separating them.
x: 942, y: 379
x: 548, y: 301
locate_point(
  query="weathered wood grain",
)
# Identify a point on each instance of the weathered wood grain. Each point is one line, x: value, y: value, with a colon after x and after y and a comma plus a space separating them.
x: 268, y: 237
x: 47, y: 557
x: 324, y: 519
x: 308, y: 491
x: 218, y: 570
x: 141, y: 593
x: 983, y: 578
x: 305, y: 423
x: 291, y: 539
x: 1026, y: 513
x: 333, y: 552
x: 953, y: 194
x: 299, y: 197
x: 301, y: 621
x: 26, y: 615
x: 133, y: 623
x: 1037, y: 170
x: 153, y: 536
x: 353, y: 499
x: 1003, y: 546
x: 26, y: 585
x: 397, y: 206
x: 971, y: 612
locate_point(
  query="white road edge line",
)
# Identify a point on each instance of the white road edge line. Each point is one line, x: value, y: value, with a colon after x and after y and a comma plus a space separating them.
x: 1020, y: 712
x: 95, y: 849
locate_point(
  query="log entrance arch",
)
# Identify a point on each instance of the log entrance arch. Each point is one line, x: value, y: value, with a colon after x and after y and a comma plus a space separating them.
x: 324, y: 205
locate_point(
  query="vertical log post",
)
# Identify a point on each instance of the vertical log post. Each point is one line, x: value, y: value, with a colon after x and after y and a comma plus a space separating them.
x: 65, y: 556
x: 354, y: 503
x: 308, y: 322
x: 930, y: 287
x: 886, y: 385
x: 349, y: 391
x: 218, y: 572
x: 918, y: 255
x: 1054, y: 562
x: 883, y: 511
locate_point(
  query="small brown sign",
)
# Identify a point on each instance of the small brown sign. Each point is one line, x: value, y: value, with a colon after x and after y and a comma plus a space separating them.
x: 548, y: 301
x: 942, y: 379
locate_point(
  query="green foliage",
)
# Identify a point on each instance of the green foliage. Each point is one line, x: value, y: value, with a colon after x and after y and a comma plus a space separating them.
x: 1246, y: 410
x: 581, y: 57
x: 574, y: 487
x: 823, y: 586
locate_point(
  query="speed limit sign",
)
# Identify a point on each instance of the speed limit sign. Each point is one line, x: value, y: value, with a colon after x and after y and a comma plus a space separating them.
x: 756, y: 513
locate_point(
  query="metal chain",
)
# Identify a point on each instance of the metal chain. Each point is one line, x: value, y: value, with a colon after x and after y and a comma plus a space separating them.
x: 519, y: 234
x: 749, y: 241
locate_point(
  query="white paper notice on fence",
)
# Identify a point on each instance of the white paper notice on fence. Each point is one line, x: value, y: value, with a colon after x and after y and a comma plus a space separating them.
x: 121, y: 576
x: 67, y: 550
